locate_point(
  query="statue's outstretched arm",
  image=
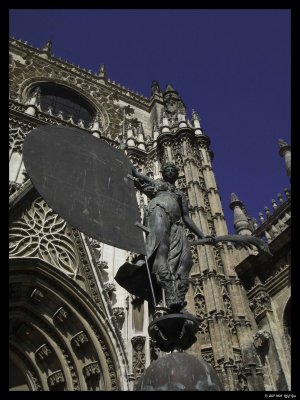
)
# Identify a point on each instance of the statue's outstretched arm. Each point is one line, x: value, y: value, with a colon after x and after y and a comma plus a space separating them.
x: 140, y: 175
x: 247, y: 242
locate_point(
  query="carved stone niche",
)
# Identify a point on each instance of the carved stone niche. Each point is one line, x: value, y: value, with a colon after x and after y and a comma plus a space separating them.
x: 37, y: 295
x: 43, y: 352
x: 91, y: 369
x: 55, y: 379
x: 60, y: 315
x: 79, y: 339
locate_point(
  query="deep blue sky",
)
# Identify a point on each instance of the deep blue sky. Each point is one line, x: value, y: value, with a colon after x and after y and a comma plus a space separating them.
x: 231, y: 66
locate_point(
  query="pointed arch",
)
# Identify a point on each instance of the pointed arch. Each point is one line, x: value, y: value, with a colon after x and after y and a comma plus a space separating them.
x: 59, y: 339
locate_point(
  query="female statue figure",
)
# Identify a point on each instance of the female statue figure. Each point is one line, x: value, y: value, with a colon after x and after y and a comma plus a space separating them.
x: 168, y: 251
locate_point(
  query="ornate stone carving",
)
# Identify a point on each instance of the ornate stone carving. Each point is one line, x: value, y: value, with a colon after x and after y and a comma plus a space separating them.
x: 237, y: 357
x: 37, y: 295
x: 260, y: 304
x: 40, y: 232
x: 229, y: 315
x: 207, y: 355
x: 200, y: 310
x: 13, y: 187
x: 86, y: 268
x: 61, y: 314
x: 108, y: 359
x: 31, y: 372
x: 218, y: 259
x: 138, y: 361
x: 43, y: 352
x: 261, y: 339
x: 61, y: 346
x: 102, y: 265
x: 91, y: 369
x: 200, y: 307
x: 56, y: 378
x: 79, y: 339
x: 16, y: 138
x: 109, y: 288
x: 95, y: 244
x: 119, y: 313
x: 242, y: 379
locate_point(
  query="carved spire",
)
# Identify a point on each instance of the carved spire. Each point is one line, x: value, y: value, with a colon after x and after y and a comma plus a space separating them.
x: 164, y: 121
x: 196, y: 123
x: 155, y: 132
x: 155, y: 88
x: 274, y: 204
x: 170, y: 88
x: 141, y: 136
x: 255, y: 224
x: 280, y: 198
x: 285, y: 152
x: 181, y: 114
x: 267, y: 211
x: 241, y: 221
x: 47, y: 48
x: 102, y: 72
x: 174, y: 107
x: 261, y: 217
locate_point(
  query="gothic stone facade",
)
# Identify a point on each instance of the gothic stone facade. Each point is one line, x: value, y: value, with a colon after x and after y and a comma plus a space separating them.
x: 72, y: 327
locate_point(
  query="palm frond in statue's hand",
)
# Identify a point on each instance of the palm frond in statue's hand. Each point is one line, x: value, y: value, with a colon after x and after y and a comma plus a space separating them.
x: 247, y: 242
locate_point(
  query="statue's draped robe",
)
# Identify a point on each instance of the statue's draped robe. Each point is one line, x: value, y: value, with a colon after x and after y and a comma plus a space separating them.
x: 163, y: 217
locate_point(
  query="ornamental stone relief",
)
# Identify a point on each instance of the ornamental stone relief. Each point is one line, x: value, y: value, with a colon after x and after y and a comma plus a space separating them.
x: 16, y: 138
x: 42, y: 233
x: 138, y: 362
x: 229, y: 315
x: 201, y: 311
x: 110, y: 115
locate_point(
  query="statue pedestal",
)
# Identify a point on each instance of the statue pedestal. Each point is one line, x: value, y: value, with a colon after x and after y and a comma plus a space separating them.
x: 174, y: 332
x: 179, y: 372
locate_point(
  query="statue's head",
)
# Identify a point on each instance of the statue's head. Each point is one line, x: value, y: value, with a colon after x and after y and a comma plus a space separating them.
x: 170, y: 172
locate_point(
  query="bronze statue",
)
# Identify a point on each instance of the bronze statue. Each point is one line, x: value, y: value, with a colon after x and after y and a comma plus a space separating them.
x: 85, y: 181
x: 168, y: 251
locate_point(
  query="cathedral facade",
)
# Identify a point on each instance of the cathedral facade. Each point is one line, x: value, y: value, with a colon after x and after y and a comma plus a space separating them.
x: 72, y: 327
